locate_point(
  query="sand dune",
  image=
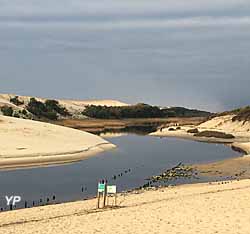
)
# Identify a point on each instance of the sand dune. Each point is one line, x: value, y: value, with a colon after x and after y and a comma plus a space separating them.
x: 27, y: 143
x: 202, y: 208
x: 240, y: 129
x: 71, y: 105
x: 225, y: 123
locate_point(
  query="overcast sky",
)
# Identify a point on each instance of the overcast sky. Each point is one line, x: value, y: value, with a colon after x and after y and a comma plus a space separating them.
x: 193, y: 53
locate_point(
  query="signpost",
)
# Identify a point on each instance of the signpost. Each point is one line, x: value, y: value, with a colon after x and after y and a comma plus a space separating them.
x: 101, y: 188
x: 104, y: 190
x: 111, y: 191
x: 101, y: 191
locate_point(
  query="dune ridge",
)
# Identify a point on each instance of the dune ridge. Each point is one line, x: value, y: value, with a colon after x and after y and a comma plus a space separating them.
x: 225, y: 124
x: 28, y: 142
x: 73, y: 106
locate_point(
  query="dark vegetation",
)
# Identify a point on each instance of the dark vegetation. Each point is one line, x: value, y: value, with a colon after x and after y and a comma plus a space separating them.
x: 138, y: 130
x: 140, y: 111
x: 171, y: 129
x: 53, y: 105
x: 136, y: 111
x: 51, y: 109
x: 15, y: 100
x: 184, y: 112
x: 243, y: 114
x: 194, y: 130
x: 214, y: 134
x: 232, y: 112
x: 7, y: 110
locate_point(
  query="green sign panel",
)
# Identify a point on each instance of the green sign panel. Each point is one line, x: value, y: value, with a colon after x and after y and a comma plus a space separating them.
x: 101, y: 188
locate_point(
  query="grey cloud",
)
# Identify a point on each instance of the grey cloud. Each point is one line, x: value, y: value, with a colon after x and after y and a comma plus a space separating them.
x: 65, y: 7
x: 193, y: 53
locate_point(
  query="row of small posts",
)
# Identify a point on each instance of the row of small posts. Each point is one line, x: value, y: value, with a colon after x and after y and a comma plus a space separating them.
x: 104, y: 192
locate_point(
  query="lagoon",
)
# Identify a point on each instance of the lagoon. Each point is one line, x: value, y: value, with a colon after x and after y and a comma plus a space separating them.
x: 136, y: 158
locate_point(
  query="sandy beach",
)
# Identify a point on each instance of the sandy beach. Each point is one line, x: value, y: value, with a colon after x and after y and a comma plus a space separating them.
x: 125, y: 117
x: 30, y: 143
x: 232, y: 168
x: 240, y: 131
x: 201, y: 208
x: 217, y: 207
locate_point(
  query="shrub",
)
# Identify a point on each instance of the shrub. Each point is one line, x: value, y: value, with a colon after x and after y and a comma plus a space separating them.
x: 40, y: 110
x: 16, y: 115
x: 36, y: 107
x: 171, y: 129
x: 214, y: 134
x: 54, y: 106
x: 140, y: 110
x: 50, y: 109
x: 135, y: 111
x: 15, y: 100
x: 242, y: 115
x: 24, y: 112
x: 184, y: 112
x: 7, y: 110
x: 51, y: 115
x: 194, y: 130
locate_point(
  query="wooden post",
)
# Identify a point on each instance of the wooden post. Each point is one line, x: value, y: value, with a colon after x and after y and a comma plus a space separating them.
x: 116, y: 199
x: 98, y: 197
x: 107, y: 200
x: 98, y: 200
x: 105, y: 194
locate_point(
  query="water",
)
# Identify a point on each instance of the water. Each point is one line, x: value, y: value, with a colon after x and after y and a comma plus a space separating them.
x: 136, y: 157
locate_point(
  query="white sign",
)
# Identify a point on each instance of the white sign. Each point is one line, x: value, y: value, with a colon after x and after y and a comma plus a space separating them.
x: 111, y: 189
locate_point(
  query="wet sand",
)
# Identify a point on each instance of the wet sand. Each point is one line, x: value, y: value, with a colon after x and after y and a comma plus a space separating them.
x: 233, y: 168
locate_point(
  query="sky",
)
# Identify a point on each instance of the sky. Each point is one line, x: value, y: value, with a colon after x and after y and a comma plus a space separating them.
x: 193, y: 53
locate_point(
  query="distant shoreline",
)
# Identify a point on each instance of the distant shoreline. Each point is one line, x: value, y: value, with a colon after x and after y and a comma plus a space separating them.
x: 237, y: 142
x: 100, y: 125
x: 232, y: 168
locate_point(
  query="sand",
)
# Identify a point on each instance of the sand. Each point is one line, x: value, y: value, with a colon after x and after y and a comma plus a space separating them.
x: 73, y: 106
x: 232, y: 168
x: 113, y: 135
x: 30, y: 143
x: 241, y: 131
x: 201, y: 208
